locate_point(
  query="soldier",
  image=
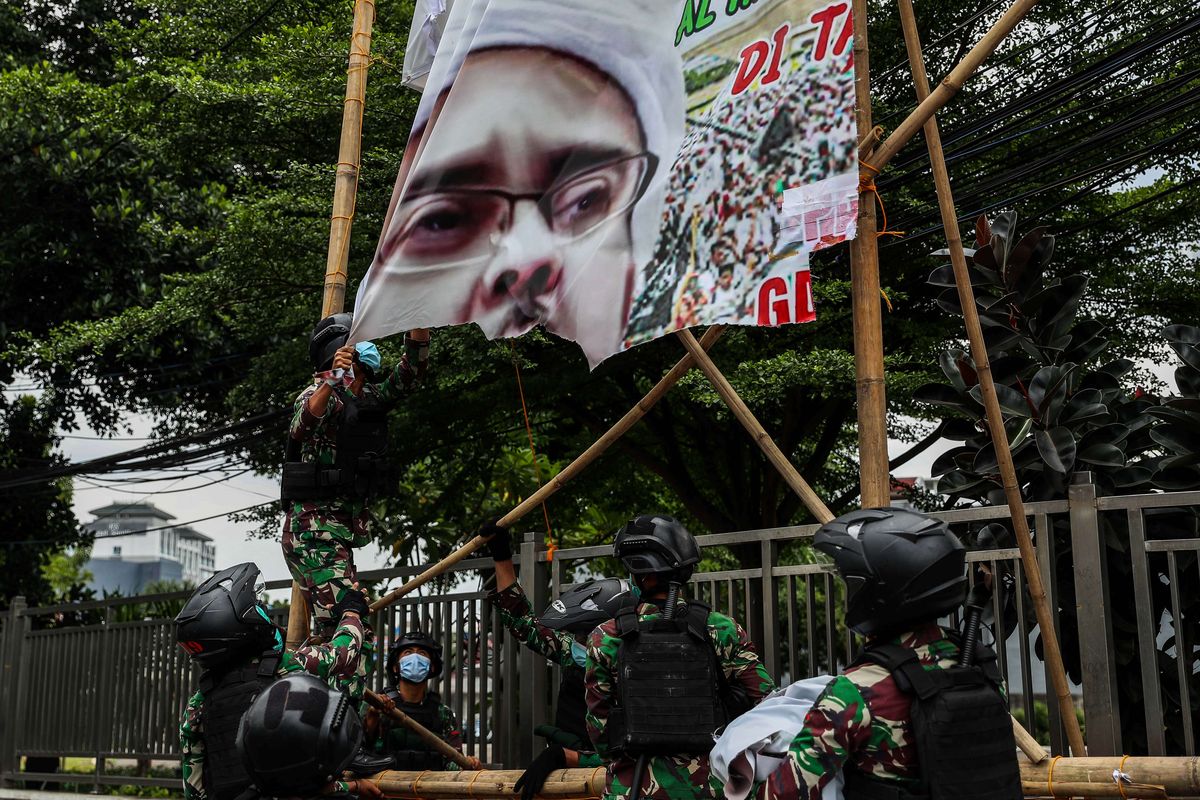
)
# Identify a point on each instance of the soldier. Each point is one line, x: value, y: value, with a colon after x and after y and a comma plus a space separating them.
x: 297, y: 740
x: 337, y: 457
x: 413, y: 660
x: 225, y: 629
x: 560, y: 635
x: 663, y: 678
x: 903, y: 570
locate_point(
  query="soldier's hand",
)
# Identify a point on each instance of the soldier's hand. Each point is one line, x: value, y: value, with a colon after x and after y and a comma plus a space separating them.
x: 499, y: 547
x: 344, y: 357
x: 474, y: 763
x: 355, y: 603
x: 366, y: 790
x: 371, y: 721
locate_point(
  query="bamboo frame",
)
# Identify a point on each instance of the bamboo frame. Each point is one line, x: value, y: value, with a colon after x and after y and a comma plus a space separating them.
x: 874, y: 475
x: 1140, y: 776
x: 991, y: 403
x: 345, y: 194
x: 631, y: 418
x: 429, y: 737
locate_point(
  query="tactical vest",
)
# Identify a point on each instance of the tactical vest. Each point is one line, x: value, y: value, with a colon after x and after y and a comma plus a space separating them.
x: 960, y: 726
x: 226, y: 698
x: 360, y: 467
x: 668, y: 685
x: 409, y: 750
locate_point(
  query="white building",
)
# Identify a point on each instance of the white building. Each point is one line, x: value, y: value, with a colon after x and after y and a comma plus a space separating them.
x: 126, y: 559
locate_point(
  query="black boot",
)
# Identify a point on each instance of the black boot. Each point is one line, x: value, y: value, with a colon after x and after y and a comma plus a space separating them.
x: 365, y: 764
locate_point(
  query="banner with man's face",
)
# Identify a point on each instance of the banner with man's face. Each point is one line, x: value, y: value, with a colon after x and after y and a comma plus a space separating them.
x: 615, y: 171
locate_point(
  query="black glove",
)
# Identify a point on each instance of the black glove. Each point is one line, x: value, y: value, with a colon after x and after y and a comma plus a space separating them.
x: 355, y: 600
x: 499, y: 547
x: 534, y: 777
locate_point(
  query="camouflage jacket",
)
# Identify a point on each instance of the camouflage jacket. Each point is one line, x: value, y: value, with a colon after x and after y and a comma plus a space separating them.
x: 391, y: 738
x: 860, y: 722
x: 516, y: 614
x: 344, y: 663
x: 317, y: 436
x: 676, y: 777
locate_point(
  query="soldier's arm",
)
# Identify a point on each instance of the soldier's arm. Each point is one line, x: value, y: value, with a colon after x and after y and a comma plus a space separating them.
x: 191, y: 745
x: 516, y: 614
x: 337, y: 661
x: 598, y: 688
x: 305, y: 421
x: 409, y: 370
x: 743, y: 668
x: 838, y: 724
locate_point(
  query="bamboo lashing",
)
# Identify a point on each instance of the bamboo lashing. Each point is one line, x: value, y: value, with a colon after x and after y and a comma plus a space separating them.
x: 345, y: 193
x: 1110, y: 776
x: 874, y: 475
x: 597, y: 448
x: 429, y: 737
x: 815, y: 505
x: 991, y: 403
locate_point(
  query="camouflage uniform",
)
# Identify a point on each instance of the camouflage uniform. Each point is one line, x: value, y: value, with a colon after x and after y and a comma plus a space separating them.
x: 319, y: 536
x: 860, y: 722
x: 516, y: 615
x: 667, y: 777
x: 391, y: 737
x: 344, y: 663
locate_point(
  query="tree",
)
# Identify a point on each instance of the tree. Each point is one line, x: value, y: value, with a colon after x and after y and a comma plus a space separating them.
x: 180, y: 225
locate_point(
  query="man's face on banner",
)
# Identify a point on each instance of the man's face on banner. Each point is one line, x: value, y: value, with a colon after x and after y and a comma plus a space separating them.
x: 518, y: 209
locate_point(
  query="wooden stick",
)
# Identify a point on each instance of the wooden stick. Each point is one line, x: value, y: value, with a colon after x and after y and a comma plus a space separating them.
x: 949, y: 86
x: 1030, y: 746
x: 534, y: 500
x: 429, y: 737
x: 991, y: 404
x: 345, y: 193
x: 1073, y: 777
x: 874, y: 476
x: 744, y: 415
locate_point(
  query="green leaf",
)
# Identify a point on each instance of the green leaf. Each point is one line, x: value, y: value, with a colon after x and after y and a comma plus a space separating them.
x: 1011, y: 401
x: 1103, y: 455
x: 1057, y: 448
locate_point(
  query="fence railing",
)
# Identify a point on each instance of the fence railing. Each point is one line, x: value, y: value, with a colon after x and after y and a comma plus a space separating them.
x: 115, y: 689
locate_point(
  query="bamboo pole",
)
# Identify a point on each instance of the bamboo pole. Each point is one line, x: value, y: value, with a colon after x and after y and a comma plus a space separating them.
x: 744, y: 415
x: 1140, y: 776
x: 949, y: 86
x: 991, y: 404
x: 345, y: 188
x: 874, y: 476
x: 631, y: 418
x: 1029, y: 745
x: 429, y: 737
x: 345, y: 193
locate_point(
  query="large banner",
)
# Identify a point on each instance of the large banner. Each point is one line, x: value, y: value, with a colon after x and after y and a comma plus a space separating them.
x: 618, y: 170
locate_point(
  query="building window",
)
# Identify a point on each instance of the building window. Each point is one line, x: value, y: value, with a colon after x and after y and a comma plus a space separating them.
x: 116, y: 550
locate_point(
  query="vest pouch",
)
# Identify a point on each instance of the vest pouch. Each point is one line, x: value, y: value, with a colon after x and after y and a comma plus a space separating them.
x: 226, y: 698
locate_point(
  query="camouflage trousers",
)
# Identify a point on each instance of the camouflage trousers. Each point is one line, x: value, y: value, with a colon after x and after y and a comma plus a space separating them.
x: 665, y: 778
x: 318, y: 549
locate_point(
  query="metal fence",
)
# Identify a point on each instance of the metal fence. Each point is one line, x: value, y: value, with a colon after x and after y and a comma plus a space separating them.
x: 116, y: 689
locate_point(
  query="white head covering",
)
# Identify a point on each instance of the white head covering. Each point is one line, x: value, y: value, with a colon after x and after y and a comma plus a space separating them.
x: 632, y: 41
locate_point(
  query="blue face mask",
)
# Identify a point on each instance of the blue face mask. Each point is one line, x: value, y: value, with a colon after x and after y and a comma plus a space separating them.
x: 368, y: 355
x: 414, y: 667
x: 579, y: 653
x: 278, y: 636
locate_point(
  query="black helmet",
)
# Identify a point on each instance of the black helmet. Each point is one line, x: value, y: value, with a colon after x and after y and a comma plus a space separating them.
x: 414, y: 639
x: 223, y: 620
x: 900, y: 567
x: 297, y: 736
x: 655, y: 544
x: 328, y: 337
x: 581, y: 608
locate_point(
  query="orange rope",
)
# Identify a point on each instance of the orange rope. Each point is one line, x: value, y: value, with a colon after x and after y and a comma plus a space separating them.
x: 1117, y: 778
x: 1050, y: 777
x: 551, y: 544
x: 866, y: 185
x: 471, y: 785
